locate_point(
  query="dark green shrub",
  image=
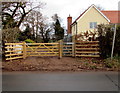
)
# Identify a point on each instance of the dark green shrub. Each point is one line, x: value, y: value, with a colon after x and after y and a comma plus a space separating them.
x: 105, y: 37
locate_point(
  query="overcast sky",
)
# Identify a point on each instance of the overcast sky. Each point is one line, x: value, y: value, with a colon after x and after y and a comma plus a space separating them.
x: 74, y: 7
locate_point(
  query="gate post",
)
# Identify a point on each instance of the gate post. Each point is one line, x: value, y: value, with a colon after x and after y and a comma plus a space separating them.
x: 24, y: 50
x: 60, y: 48
x: 73, y: 46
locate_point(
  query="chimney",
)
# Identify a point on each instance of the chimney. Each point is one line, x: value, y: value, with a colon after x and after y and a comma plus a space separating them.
x: 69, y: 22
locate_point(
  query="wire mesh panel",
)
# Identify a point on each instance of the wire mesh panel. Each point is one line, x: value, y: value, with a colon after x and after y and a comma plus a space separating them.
x: 67, y: 48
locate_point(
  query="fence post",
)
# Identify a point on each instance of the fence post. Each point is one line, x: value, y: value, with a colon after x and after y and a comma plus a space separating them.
x: 60, y: 48
x: 24, y: 50
x: 73, y: 46
x: 10, y: 53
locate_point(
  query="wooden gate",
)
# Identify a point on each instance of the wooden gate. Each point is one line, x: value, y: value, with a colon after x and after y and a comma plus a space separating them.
x: 87, y: 49
x: 42, y: 49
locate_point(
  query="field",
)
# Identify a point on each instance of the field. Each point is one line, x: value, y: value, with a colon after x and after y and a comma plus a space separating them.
x: 51, y: 64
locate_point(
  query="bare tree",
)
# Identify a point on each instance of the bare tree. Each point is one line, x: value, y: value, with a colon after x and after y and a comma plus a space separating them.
x: 15, y: 12
x: 35, y: 20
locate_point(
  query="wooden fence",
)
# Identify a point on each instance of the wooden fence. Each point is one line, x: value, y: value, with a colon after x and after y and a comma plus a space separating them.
x: 14, y: 51
x: 87, y: 49
x: 59, y: 49
x: 23, y: 50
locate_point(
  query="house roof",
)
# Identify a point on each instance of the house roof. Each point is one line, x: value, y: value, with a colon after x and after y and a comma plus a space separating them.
x: 88, y: 10
x: 112, y: 15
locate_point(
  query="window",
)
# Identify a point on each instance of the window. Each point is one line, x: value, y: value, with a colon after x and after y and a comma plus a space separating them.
x: 93, y: 25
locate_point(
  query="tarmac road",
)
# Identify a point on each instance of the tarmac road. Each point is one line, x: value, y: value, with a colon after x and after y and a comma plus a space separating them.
x: 66, y: 81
